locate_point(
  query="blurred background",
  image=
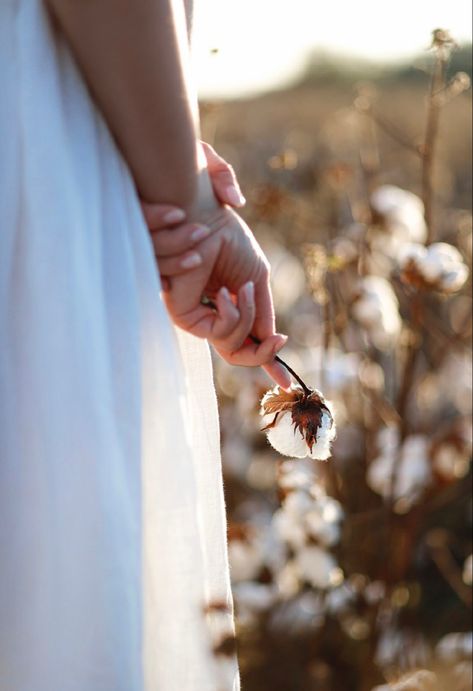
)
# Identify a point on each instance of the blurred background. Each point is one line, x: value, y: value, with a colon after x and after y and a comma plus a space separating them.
x: 349, y: 126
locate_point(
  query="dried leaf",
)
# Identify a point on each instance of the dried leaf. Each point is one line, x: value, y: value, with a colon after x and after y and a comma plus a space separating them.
x: 278, y: 402
x: 307, y: 416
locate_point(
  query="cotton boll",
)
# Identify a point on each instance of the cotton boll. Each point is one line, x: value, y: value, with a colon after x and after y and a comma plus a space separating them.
x: 294, y: 476
x: 290, y: 442
x: 413, y: 473
x: 401, y: 649
x: 402, y: 213
x: 454, y: 646
x: 290, y: 528
x: 377, y: 309
x: 450, y: 461
x: 251, y: 600
x: 338, y: 370
x: 323, y: 521
x: 326, y: 533
x: 438, y: 267
x: 289, y: 521
x: 318, y: 567
x: 298, y: 424
x: 254, y: 597
x: 285, y: 439
x: 298, y: 504
x: 288, y: 581
x: 340, y: 600
x: 301, y: 615
x: 246, y: 560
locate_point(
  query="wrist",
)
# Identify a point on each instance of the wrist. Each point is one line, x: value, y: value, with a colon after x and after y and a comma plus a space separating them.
x: 205, y: 202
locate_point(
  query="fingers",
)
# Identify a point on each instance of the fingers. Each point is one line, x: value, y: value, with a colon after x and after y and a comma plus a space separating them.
x: 265, y: 322
x: 176, y: 241
x: 175, y: 266
x: 253, y: 354
x: 224, y: 180
x: 278, y: 374
x: 226, y: 327
x: 158, y: 216
x: 234, y: 321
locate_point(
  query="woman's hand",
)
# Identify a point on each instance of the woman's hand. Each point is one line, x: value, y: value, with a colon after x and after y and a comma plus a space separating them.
x: 170, y: 233
x: 163, y: 217
x: 248, y: 308
x: 233, y: 272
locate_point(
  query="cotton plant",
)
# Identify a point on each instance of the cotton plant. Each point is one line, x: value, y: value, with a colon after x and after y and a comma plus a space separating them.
x: 376, y: 309
x: 401, y: 212
x: 400, y: 650
x: 309, y: 523
x: 451, y: 459
x: 381, y: 329
x: 299, y: 423
x: 438, y: 267
x: 304, y: 614
x: 455, y: 646
x: 400, y: 472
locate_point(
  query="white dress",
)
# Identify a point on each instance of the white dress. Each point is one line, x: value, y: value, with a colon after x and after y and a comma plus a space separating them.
x: 112, y: 522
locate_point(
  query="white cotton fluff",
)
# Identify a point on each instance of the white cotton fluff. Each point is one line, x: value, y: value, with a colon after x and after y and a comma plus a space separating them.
x: 297, y: 476
x: 323, y: 521
x: 303, y: 614
x: 455, y: 646
x: 413, y: 474
x: 303, y: 517
x: 377, y: 309
x: 254, y: 597
x: 440, y: 265
x: 288, y: 441
x: 338, y: 370
x: 318, y: 567
x: 246, y: 559
x: 402, y: 213
x: 290, y: 528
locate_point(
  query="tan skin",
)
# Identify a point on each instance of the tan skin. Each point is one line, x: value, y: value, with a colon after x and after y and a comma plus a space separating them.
x: 134, y: 56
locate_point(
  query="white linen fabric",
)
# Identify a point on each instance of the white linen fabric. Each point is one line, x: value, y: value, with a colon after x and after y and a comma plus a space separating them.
x: 112, y: 521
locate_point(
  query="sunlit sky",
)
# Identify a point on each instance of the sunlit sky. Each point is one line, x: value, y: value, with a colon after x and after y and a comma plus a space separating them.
x: 262, y: 43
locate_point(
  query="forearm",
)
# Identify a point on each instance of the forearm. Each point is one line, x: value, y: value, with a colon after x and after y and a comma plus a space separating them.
x: 135, y: 58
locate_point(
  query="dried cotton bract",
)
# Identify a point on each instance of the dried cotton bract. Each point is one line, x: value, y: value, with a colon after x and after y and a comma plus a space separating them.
x: 298, y: 423
x: 437, y: 267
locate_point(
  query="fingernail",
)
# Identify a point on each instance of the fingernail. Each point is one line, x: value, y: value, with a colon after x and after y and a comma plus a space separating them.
x: 191, y: 261
x: 234, y: 196
x: 224, y: 292
x: 281, y: 343
x: 200, y: 233
x: 249, y: 290
x: 174, y: 216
